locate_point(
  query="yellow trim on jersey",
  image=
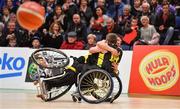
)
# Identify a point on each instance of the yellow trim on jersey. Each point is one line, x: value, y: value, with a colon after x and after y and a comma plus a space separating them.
x: 86, y: 57
x: 100, y: 59
x: 114, y: 58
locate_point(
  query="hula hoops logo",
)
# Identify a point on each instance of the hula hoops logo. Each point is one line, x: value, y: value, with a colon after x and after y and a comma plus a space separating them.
x: 159, y: 70
x: 11, y: 66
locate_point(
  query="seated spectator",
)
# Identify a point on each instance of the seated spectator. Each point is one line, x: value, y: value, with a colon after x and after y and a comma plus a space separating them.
x: 146, y: 12
x: 5, y: 15
x: 28, y: 35
x: 119, y: 41
x: 112, y: 27
x: 13, y: 17
x: 131, y: 34
x: 98, y: 22
x: 12, y: 8
x: 172, y: 8
x: 116, y: 10
x: 148, y: 36
x: 19, y: 34
x: 36, y: 44
x: 91, y: 41
x: 12, y: 42
x: 136, y: 9
x: 49, y: 6
x: 57, y: 16
x: 72, y: 42
x: 95, y: 3
x: 69, y: 9
x: 165, y: 23
x: 126, y: 17
x: 154, y: 7
x: 85, y: 12
x: 78, y: 27
x: 54, y: 37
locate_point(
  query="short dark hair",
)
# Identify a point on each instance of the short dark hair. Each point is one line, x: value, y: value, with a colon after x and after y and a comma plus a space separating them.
x: 111, y: 38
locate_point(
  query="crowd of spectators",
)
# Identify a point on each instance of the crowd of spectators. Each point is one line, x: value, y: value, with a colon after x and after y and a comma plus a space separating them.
x: 79, y: 24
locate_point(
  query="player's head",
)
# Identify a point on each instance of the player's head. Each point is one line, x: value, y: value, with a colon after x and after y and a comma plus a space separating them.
x: 111, y: 38
x: 41, y: 60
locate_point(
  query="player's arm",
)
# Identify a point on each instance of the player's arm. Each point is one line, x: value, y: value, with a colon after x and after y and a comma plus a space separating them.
x: 97, y: 49
x: 115, y: 67
x: 103, y: 45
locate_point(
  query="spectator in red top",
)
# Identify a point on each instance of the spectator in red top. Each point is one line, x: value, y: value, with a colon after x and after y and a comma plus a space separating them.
x: 72, y: 42
x: 98, y: 22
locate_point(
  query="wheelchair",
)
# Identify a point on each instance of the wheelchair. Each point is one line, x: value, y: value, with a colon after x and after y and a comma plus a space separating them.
x: 93, y: 86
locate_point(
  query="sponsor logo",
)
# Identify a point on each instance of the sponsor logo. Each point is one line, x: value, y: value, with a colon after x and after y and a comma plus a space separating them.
x: 30, y: 71
x: 11, y: 66
x: 159, y: 70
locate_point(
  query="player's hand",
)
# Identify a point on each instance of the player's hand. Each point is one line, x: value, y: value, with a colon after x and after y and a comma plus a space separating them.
x: 115, y: 52
x: 115, y: 67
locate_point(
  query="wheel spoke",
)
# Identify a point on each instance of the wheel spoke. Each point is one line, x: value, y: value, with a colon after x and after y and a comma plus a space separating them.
x: 87, y: 80
x: 87, y: 91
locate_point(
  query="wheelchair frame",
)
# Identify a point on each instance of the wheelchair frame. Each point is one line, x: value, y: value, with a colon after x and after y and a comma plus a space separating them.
x: 105, y: 79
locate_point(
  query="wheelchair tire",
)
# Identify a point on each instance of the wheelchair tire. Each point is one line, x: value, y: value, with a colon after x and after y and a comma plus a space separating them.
x: 93, y: 81
x: 60, y: 59
x: 53, y: 96
x: 117, y: 80
x: 116, y: 94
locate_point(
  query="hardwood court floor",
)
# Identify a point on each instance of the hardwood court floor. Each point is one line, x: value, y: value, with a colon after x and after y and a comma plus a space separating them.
x: 18, y: 99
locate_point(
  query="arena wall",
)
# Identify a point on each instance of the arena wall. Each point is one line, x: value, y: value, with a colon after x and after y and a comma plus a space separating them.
x: 14, y: 64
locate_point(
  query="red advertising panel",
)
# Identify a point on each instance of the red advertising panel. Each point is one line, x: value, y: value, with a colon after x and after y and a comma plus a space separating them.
x: 155, y: 70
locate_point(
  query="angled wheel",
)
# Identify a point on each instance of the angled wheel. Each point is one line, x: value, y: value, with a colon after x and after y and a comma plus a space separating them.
x: 52, y: 62
x: 117, y: 88
x: 95, y: 86
x: 50, y: 58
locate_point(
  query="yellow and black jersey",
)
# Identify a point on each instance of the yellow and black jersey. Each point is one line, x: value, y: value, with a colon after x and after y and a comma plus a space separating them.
x: 103, y: 60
